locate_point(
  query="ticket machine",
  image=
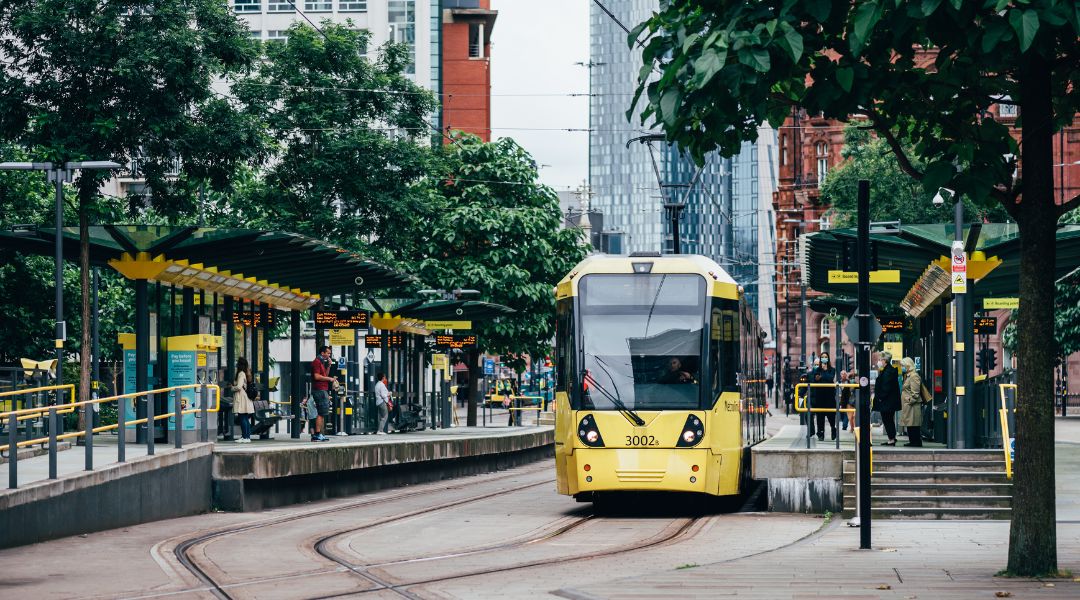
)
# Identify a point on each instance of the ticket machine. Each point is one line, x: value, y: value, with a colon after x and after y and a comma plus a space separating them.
x: 191, y: 359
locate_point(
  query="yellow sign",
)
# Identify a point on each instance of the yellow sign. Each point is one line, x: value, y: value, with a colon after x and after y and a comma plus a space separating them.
x: 895, y: 348
x: 996, y: 303
x: 884, y: 276
x: 439, y: 361
x: 200, y: 359
x: 448, y: 324
x: 342, y: 337
x: 959, y: 283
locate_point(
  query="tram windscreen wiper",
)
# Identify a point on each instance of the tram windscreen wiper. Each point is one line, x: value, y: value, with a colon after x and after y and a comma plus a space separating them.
x: 625, y: 411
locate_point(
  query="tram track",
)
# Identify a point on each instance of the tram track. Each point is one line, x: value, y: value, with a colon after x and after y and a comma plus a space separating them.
x: 183, y: 550
x: 663, y: 539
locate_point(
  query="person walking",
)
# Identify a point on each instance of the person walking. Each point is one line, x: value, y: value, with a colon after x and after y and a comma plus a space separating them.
x: 382, y: 402
x: 824, y: 397
x: 320, y: 392
x: 887, y: 395
x: 242, y: 403
x: 912, y: 396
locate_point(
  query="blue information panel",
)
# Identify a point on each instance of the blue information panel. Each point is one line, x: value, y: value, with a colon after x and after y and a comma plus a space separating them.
x: 489, y: 366
x: 182, y: 372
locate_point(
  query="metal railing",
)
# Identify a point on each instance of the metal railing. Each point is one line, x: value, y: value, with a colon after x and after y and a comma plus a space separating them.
x: 802, y: 408
x: 11, y: 418
x: 1003, y: 414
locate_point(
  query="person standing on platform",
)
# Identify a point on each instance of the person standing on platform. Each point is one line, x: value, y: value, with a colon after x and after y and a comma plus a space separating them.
x: 320, y: 392
x: 912, y: 396
x: 845, y: 400
x: 242, y: 404
x: 225, y: 411
x: 824, y: 397
x: 382, y: 402
x: 887, y: 395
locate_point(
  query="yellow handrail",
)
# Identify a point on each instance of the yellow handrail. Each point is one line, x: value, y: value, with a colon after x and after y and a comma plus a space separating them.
x: 802, y: 407
x: 1003, y: 414
x: 33, y: 413
x: 75, y: 434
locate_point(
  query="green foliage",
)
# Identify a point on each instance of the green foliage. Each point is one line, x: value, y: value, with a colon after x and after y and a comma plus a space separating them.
x: 726, y: 67
x: 498, y: 231
x: 347, y: 165
x: 894, y: 195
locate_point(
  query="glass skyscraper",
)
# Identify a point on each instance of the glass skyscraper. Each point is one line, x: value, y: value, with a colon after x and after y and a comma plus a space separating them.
x: 728, y: 206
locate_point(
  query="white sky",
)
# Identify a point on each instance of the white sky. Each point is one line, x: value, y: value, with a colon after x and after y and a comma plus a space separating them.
x: 534, y: 47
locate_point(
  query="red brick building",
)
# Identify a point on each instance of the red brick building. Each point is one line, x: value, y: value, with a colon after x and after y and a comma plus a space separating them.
x: 466, y: 67
x: 809, y: 147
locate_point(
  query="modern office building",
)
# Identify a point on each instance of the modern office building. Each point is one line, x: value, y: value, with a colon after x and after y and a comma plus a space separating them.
x: 728, y: 205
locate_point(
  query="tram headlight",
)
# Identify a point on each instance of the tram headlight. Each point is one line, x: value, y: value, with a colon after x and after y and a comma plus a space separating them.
x: 692, y: 433
x: 589, y: 433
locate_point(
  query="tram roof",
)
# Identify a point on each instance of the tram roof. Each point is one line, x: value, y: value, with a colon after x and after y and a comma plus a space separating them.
x: 915, y: 249
x: 285, y: 270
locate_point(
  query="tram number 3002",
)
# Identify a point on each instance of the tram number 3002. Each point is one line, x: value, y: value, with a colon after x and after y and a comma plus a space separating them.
x: 642, y: 440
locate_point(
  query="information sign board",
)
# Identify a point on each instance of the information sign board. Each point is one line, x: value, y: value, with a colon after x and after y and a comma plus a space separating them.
x: 1001, y: 303
x: 455, y: 342
x: 342, y: 337
x: 985, y: 325
x: 252, y: 318
x: 892, y: 324
x: 375, y: 341
x: 341, y: 319
x: 959, y: 268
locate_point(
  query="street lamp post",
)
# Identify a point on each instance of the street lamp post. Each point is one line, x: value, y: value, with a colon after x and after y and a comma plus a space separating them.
x: 59, y: 175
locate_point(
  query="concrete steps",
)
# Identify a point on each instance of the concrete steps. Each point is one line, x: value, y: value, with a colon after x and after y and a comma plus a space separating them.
x: 547, y: 418
x: 934, y: 484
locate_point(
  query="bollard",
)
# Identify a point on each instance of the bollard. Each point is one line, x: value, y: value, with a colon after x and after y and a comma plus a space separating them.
x: 88, y: 435
x: 52, y: 442
x: 13, y: 450
x: 178, y: 420
x: 204, y: 426
x: 150, y: 424
x: 121, y: 428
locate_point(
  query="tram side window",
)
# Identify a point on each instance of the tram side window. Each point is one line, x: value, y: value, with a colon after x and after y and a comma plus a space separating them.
x: 564, y: 335
x: 724, y: 347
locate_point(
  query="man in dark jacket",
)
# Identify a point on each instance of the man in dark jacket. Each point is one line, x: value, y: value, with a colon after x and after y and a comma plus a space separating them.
x: 887, y: 395
x: 824, y: 397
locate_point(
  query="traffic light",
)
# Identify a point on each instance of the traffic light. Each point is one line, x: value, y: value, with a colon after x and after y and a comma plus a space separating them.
x: 873, y: 255
x: 980, y: 360
x: 991, y: 359
x: 848, y: 256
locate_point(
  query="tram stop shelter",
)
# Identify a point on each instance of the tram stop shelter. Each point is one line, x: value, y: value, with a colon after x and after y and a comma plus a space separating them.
x: 249, y: 272
x: 923, y: 292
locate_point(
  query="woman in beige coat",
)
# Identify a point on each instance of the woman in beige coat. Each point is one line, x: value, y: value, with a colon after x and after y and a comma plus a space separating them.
x: 911, y: 401
x: 242, y: 404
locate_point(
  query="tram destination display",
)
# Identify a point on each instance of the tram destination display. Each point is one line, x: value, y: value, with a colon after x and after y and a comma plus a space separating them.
x: 341, y: 319
x: 985, y: 325
x: 455, y: 342
x: 397, y: 340
x: 252, y: 318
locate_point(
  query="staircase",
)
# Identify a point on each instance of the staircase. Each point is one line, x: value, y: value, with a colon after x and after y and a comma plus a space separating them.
x: 547, y: 418
x: 933, y: 484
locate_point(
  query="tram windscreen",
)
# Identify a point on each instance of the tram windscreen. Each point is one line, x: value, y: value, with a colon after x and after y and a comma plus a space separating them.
x: 642, y: 339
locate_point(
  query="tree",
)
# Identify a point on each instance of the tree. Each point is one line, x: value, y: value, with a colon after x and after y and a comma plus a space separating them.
x: 928, y: 72
x: 347, y: 166
x: 894, y: 195
x: 499, y: 232
x: 86, y: 80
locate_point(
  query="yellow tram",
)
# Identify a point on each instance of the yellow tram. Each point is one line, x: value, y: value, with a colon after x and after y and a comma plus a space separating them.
x: 659, y: 377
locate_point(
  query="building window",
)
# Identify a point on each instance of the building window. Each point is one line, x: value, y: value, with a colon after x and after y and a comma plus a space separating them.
x: 1009, y: 111
x: 476, y: 40
x: 319, y: 6
x: 826, y: 327
x: 783, y: 150
x: 352, y: 6
x: 255, y: 35
x: 403, y: 28
x: 280, y: 6
x: 822, y: 162
x: 247, y: 6
x: 826, y: 223
x: 277, y: 35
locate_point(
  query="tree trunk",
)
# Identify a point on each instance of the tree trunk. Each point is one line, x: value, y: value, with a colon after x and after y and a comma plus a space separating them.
x: 86, y: 194
x: 475, y: 373
x: 1032, y: 536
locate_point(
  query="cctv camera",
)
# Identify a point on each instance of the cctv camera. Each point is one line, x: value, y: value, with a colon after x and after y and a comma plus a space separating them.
x: 938, y: 200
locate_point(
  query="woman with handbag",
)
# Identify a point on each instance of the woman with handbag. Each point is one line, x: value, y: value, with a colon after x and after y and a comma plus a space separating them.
x: 242, y: 404
x: 912, y: 397
x: 225, y: 411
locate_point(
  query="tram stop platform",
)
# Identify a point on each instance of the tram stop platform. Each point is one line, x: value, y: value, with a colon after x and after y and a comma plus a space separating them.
x: 207, y: 476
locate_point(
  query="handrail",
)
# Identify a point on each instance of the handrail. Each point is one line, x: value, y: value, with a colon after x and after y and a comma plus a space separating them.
x: 75, y: 434
x: 836, y: 410
x: 24, y: 414
x: 1003, y: 414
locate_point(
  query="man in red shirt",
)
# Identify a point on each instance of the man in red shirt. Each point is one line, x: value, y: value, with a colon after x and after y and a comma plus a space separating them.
x: 320, y: 391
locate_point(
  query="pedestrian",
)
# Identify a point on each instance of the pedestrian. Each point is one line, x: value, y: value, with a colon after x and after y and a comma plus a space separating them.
x: 887, y: 395
x: 510, y: 392
x: 845, y: 401
x: 320, y: 392
x: 913, y: 395
x: 382, y: 402
x: 800, y: 400
x: 225, y: 411
x: 824, y: 397
x: 463, y: 391
x: 242, y: 403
